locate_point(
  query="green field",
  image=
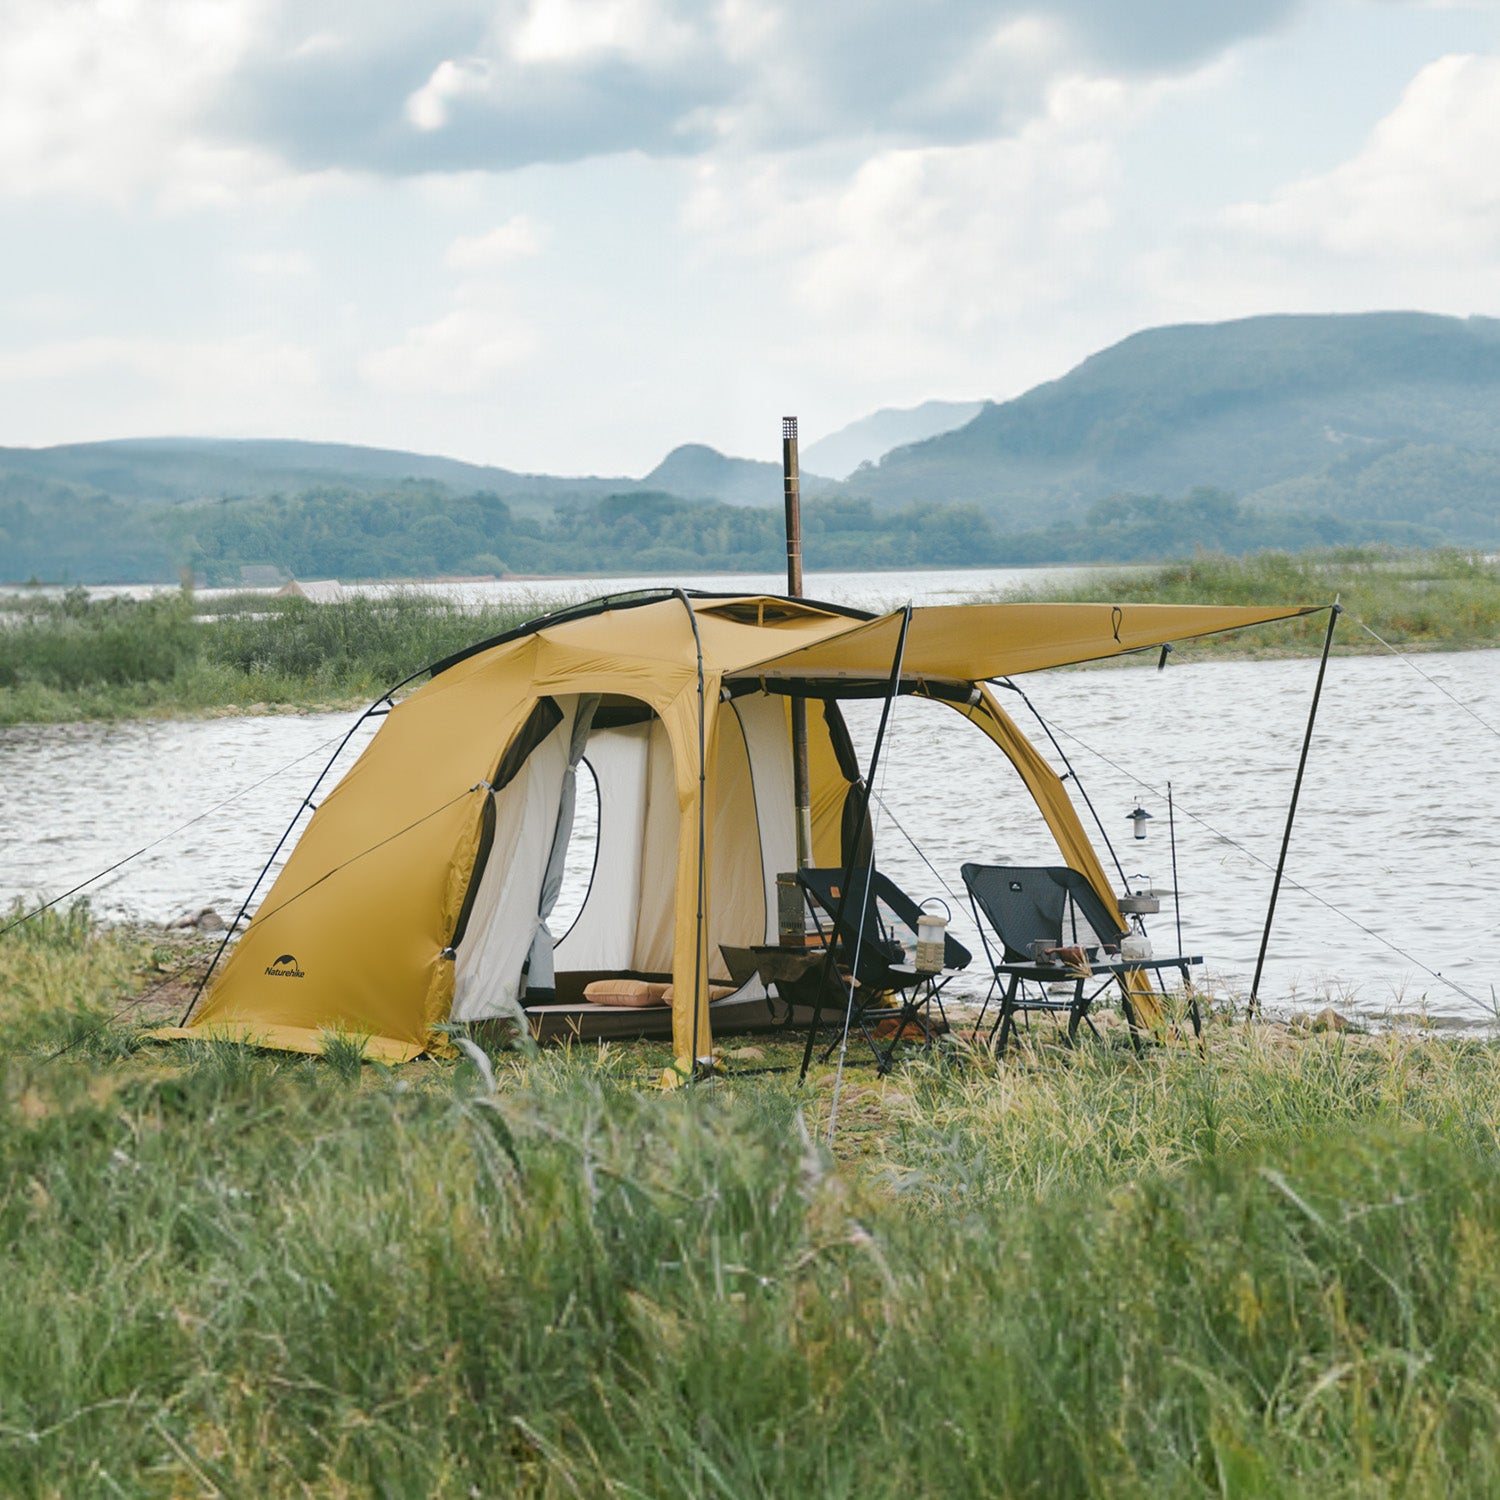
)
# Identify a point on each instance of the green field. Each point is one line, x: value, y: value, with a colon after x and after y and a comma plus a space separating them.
x: 1270, y: 1270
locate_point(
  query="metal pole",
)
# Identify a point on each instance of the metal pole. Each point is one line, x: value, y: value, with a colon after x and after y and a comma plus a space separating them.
x: 1334, y: 611
x: 893, y: 689
x: 801, y: 788
x: 1176, y: 890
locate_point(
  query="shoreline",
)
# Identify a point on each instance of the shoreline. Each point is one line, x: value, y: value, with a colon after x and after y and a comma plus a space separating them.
x: 317, y: 699
x: 178, y: 655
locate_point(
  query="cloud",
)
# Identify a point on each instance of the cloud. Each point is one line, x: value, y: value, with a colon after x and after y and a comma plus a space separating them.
x: 134, y: 386
x: 458, y: 85
x: 516, y: 239
x: 1424, y: 184
x: 924, y: 250
x: 197, y: 101
x: 1411, y: 219
x: 104, y: 98
x: 480, y: 337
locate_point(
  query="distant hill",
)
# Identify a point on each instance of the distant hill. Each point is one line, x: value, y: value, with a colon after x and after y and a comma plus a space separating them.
x: 696, y: 472
x: 865, y: 441
x: 174, y: 470
x: 1281, y: 411
x: 1275, y: 431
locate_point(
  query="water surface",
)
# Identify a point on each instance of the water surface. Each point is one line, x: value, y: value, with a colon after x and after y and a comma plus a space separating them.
x: 1393, y: 865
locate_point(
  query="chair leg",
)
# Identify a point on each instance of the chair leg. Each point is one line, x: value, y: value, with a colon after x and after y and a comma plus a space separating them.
x: 984, y: 1009
x: 1192, y: 999
x: 1005, y: 1021
x: 1077, y: 1012
x: 1007, y: 1026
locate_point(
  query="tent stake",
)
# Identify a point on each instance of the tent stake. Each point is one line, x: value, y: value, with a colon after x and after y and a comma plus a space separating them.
x: 893, y: 688
x: 1253, y: 1008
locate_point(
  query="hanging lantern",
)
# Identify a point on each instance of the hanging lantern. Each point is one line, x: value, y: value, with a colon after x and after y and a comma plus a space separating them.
x: 1140, y: 817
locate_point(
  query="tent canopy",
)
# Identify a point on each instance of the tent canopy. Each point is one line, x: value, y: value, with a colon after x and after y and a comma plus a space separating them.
x: 421, y: 890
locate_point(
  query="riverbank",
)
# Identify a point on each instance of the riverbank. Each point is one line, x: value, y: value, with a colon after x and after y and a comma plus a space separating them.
x: 1265, y: 1269
x: 71, y: 658
x: 1439, y: 600
x: 75, y: 658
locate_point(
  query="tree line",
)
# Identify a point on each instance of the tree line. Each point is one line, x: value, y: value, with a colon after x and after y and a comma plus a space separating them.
x: 418, y: 529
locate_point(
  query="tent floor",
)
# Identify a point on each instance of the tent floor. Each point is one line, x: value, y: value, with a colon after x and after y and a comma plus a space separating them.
x: 587, y: 1022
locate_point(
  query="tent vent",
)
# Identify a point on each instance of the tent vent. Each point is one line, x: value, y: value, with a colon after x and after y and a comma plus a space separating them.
x: 760, y: 611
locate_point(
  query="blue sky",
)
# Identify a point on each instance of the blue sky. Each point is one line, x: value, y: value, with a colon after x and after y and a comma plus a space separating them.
x: 566, y: 235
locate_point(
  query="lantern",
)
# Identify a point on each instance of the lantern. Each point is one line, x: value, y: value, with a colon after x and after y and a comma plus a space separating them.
x: 1140, y: 817
x: 930, y: 936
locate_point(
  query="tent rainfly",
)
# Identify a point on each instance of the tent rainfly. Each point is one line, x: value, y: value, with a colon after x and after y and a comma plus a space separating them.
x: 420, y: 892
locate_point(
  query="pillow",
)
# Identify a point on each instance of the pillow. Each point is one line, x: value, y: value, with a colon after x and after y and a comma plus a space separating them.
x: 633, y: 992
x: 715, y: 992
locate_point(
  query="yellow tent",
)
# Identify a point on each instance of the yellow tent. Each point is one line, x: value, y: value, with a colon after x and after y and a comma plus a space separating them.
x: 420, y: 890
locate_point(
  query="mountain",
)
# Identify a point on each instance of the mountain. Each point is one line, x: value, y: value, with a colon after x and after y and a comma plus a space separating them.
x: 1276, y: 431
x: 696, y: 472
x: 174, y: 470
x: 1275, y: 410
x: 864, y: 441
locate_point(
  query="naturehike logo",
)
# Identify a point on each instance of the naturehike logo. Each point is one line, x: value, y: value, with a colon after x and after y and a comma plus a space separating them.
x: 285, y: 967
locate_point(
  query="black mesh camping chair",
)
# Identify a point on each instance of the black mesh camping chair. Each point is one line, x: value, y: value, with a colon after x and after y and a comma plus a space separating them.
x: 878, y: 954
x: 1034, y: 909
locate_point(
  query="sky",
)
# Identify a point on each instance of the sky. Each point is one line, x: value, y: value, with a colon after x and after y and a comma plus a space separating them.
x: 565, y: 236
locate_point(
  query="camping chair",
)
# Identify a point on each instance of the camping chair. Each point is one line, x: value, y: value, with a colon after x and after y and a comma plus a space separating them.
x: 879, y: 959
x: 1033, y: 909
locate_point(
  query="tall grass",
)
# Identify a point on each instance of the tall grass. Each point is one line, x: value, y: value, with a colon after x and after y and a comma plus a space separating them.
x: 80, y: 658
x: 1440, y: 598
x: 1272, y: 1270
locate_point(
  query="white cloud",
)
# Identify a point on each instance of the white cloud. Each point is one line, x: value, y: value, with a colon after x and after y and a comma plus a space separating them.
x: 454, y: 79
x: 242, y: 386
x: 100, y: 97
x: 516, y: 239
x: 273, y: 265
x: 1424, y: 185
x: 564, y: 31
x: 455, y: 355
x: 481, y: 336
x: 920, y: 250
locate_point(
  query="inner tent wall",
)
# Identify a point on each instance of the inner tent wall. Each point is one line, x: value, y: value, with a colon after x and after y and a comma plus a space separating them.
x: 625, y: 924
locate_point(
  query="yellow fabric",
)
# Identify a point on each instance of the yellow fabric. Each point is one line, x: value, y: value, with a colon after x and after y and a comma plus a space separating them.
x: 285, y: 1039
x: 962, y: 642
x: 354, y: 934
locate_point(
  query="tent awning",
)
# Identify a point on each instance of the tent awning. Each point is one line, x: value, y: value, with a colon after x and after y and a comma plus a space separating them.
x: 972, y: 642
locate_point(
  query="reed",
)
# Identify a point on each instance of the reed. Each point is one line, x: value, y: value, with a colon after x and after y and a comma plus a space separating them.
x: 77, y: 658
x: 1270, y: 1269
x: 1446, y: 598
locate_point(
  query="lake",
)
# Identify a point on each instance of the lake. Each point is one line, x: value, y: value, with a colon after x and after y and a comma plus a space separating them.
x: 1395, y: 854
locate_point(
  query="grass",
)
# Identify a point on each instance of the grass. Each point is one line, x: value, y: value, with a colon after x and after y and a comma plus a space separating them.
x: 1445, y: 599
x: 1272, y: 1270
x: 76, y: 658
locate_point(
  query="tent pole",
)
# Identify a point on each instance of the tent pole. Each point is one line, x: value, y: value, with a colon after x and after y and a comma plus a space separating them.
x: 699, y: 957
x: 801, y: 790
x: 1253, y: 1007
x: 893, y: 688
